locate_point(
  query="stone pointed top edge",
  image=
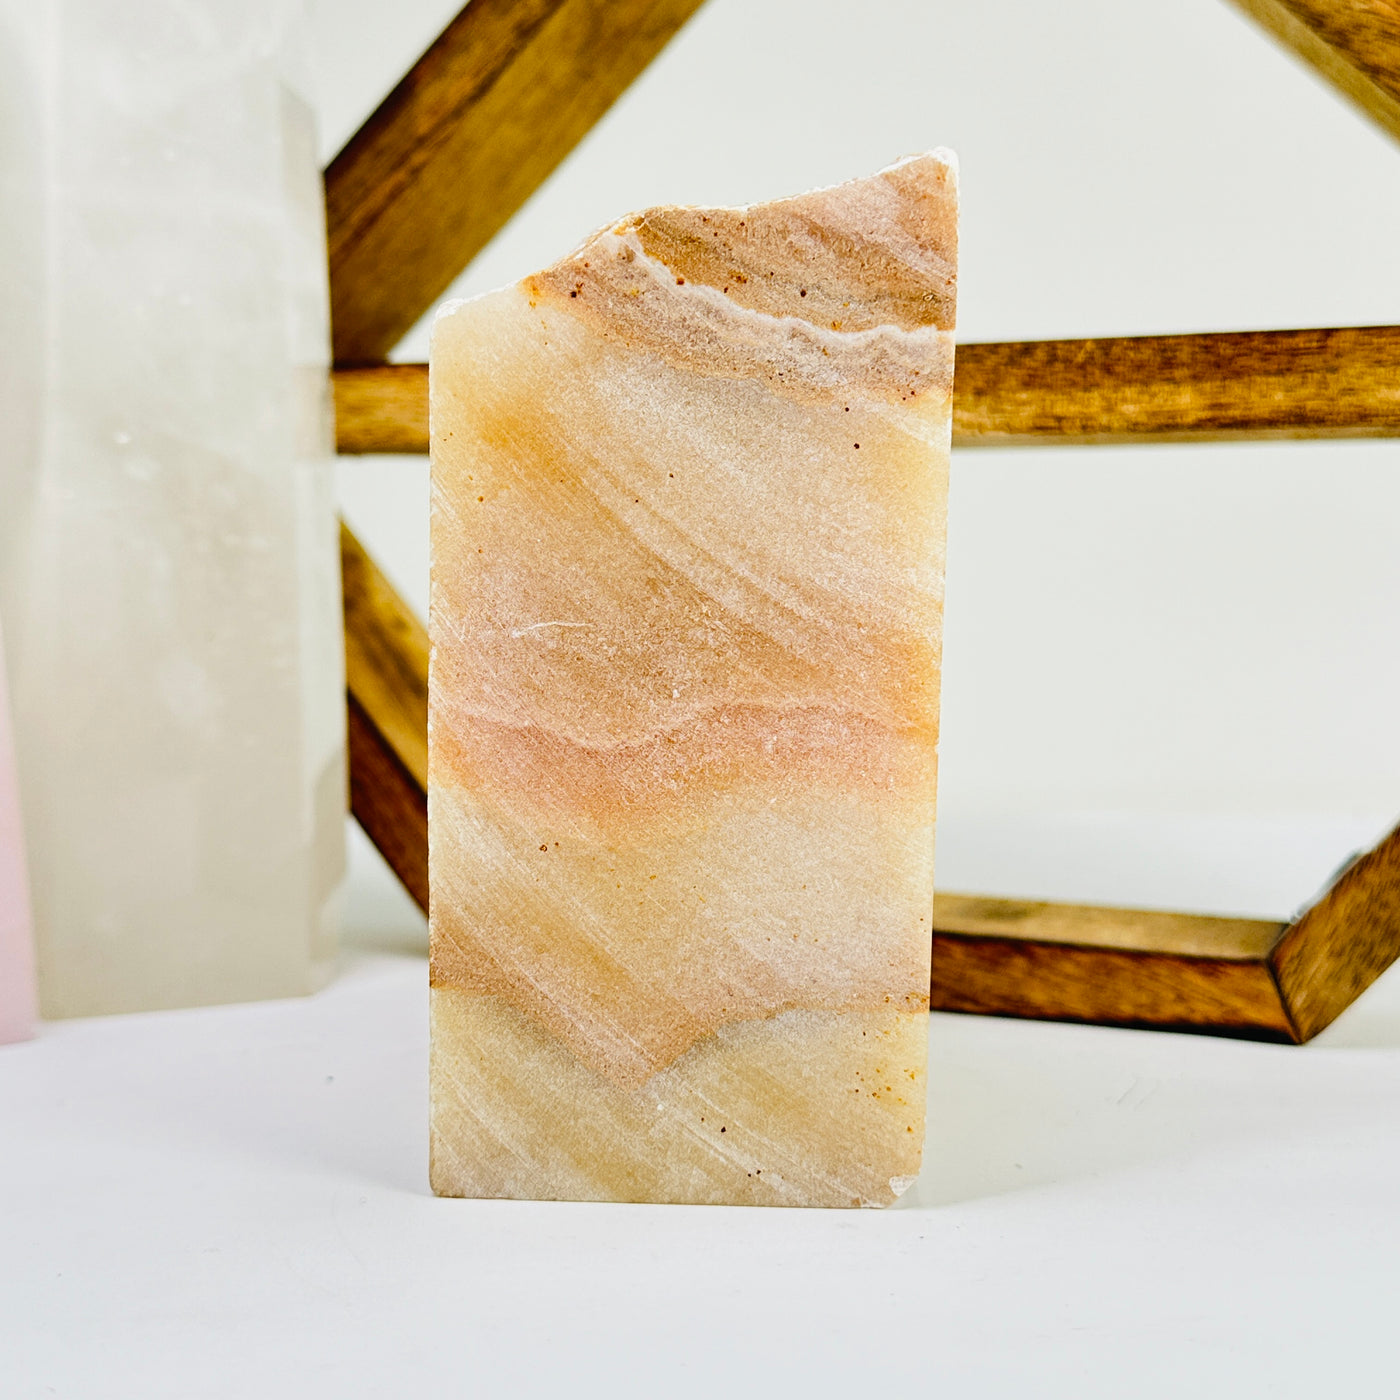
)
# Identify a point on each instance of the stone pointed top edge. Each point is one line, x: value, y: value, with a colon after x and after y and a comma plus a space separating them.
x: 942, y: 156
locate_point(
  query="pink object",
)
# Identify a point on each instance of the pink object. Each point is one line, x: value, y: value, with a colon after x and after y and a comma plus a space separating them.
x: 17, y: 999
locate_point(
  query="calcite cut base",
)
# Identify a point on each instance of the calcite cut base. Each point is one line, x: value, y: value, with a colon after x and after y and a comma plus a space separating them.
x: 689, y: 496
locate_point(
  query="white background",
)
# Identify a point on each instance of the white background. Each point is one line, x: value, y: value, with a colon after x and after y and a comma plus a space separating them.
x: 1172, y: 677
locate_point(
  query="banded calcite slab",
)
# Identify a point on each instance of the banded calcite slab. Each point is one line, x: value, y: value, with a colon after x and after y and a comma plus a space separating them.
x: 689, y: 496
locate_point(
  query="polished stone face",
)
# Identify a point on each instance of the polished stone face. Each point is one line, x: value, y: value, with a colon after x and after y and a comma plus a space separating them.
x: 689, y: 491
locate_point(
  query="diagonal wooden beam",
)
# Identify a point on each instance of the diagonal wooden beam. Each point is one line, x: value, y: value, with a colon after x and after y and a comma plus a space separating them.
x: 1325, y: 960
x: 503, y: 95
x: 1173, y: 388
x: 386, y: 682
x: 1354, y: 44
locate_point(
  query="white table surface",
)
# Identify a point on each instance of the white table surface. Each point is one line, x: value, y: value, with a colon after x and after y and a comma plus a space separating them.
x: 233, y: 1202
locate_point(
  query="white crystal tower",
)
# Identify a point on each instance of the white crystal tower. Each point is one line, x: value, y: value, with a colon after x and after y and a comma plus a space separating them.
x: 168, y: 553
x: 16, y: 939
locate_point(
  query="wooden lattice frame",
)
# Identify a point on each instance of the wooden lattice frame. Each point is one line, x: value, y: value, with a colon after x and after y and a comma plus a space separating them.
x: 486, y: 114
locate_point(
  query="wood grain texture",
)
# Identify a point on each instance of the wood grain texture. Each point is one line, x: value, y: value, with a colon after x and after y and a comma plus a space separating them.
x: 1120, y: 967
x: 1344, y: 942
x: 381, y: 408
x: 388, y: 802
x: 500, y: 98
x: 1098, y: 926
x: 1354, y: 44
x: 1178, y: 388
x: 386, y: 681
x: 1027, y: 980
x: 1129, y: 967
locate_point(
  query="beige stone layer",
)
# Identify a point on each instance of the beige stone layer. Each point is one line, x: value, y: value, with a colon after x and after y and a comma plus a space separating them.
x: 630, y: 953
x: 807, y: 1108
